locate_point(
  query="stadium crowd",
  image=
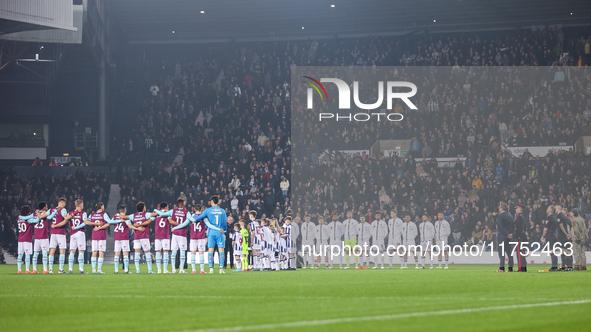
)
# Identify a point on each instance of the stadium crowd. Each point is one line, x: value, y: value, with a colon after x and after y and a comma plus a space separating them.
x: 223, y: 125
x: 239, y: 127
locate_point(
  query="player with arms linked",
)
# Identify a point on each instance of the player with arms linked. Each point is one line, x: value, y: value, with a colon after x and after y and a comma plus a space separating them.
x: 198, y: 238
x: 217, y: 225
x: 25, y: 237
x: 179, y: 234
x: 58, y: 234
x: 162, y: 237
x: 121, y: 236
x: 141, y: 240
x: 77, y: 236
x: 41, y: 234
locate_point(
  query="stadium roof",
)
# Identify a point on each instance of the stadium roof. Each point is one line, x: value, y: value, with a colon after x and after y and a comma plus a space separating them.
x: 194, y: 21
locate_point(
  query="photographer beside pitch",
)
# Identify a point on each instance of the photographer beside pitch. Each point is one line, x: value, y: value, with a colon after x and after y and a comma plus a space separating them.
x: 505, y: 231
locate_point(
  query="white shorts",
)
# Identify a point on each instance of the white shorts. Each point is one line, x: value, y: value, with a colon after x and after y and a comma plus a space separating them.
x: 198, y: 245
x: 441, y: 243
x: 162, y: 244
x: 393, y: 245
x: 381, y: 246
x: 121, y: 245
x: 78, y: 241
x: 142, y: 243
x: 99, y: 245
x: 41, y: 245
x: 57, y: 240
x: 362, y: 243
x: 25, y: 248
x: 256, y: 246
x: 179, y: 242
x: 310, y: 244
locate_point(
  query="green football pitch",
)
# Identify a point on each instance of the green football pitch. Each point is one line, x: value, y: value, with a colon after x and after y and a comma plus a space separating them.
x: 459, y: 299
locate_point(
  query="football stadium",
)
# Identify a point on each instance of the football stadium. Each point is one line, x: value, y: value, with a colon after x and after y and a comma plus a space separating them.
x: 274, y: 165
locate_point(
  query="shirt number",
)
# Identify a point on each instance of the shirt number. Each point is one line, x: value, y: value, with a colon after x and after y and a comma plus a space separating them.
x: 39, y: 225
x: 179, y: 220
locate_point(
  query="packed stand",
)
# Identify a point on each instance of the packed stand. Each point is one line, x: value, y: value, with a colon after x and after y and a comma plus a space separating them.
x: 228, y: 115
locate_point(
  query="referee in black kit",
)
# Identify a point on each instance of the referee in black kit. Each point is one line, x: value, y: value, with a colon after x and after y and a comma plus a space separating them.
x: 505, y: 230
x: 549, y: 235
x: 520, y: 237
x: 562, y: 236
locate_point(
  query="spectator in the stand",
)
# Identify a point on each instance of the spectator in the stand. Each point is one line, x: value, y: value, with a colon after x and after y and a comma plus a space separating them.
x: 37, y: 162
x: 284, y: 187
x: 415, y: 147
x: 477, y: 234
x: 536, y: 235
x: 154, y: 90
x: 234, y: 206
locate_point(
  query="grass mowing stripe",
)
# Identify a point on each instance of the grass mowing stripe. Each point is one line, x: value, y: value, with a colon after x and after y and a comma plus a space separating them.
x: 385, y: 317
x: 131, y: 296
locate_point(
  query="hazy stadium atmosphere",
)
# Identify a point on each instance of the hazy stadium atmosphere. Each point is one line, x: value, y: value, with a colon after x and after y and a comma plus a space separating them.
x: 285, y: 165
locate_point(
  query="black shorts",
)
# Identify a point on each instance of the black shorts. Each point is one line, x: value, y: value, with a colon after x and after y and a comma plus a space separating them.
x: 562, y: 240
x: 551, y: 241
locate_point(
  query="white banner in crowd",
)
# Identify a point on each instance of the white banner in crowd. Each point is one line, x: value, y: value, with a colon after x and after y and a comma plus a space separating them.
x: 541, y: 151
x: 444, y: 162
x: 390, y: 153
x: 66, y: 160
x: 354, y: 152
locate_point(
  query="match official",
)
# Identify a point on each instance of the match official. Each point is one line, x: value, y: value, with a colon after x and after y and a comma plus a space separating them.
x: 505, y: 231
x: 520, y: 237
x: 229, y: 247
x: 549, y: 235
x: 563, y: 232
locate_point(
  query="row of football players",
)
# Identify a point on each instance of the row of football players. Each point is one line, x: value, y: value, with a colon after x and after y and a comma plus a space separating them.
x: 50, y: 234
x: 48, y: 228
x: 350, y: 232
x: 271, y: 244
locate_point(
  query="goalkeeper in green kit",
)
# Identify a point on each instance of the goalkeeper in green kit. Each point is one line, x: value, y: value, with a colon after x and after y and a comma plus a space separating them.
x: 244, y: 256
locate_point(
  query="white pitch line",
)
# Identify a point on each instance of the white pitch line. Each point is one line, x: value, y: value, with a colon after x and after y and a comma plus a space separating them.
x: 384, y: 317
